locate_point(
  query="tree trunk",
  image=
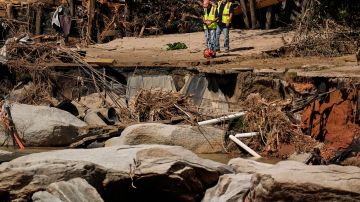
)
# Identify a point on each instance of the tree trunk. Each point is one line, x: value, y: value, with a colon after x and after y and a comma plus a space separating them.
x: 10, y: 11
x: 268, y: 18
x: 72, y: 8
x: 253, y: 14
x: 91, y: 13
x: 38, y: 21
x: 245, y: 14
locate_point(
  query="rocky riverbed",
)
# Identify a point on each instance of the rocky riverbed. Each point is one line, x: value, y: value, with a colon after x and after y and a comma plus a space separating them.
x: 168, y: 173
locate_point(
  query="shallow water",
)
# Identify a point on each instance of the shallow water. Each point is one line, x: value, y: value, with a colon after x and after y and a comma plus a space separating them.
x: 219, y: 157
x: 225, y: 158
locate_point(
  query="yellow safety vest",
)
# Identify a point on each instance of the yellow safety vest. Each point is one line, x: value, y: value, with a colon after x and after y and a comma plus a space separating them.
x: 226, y: 12
x: 210, y: 16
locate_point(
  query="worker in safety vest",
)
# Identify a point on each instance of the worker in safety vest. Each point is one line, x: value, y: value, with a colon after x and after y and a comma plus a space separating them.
x: 225, y: 14
x: 210, y: 23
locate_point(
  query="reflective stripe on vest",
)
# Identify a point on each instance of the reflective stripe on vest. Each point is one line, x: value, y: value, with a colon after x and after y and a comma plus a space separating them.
x: 210, y: 16
x: 226, y: 12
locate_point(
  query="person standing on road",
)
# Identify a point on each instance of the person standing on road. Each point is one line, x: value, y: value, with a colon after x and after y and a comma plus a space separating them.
x: 210, y: 23
x: 225, y: 14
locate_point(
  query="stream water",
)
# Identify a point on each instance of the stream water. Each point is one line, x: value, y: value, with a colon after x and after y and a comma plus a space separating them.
x: 219, y: 157
x: 225, y: 158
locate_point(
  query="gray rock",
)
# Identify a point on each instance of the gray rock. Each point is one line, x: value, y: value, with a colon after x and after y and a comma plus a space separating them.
x: 5, y: 155
x: 159, y: 172
x: 286, y: 181
x: 95, y: 101
x: 294, y: 181
x: 302, y: 158
x: 241, y: 165
x: 190, y: 137
x: 74, y: 190
x: 234, y: 187
x: 44, y: 196
x: 18, y: 94
x: 231, y: 187
x: 43, y: 126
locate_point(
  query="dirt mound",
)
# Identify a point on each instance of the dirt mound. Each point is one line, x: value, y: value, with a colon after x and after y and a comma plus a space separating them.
x: 330, y: 119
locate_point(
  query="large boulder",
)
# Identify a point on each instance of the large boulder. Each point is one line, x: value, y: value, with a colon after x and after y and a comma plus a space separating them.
x: 193, y: 138
x: 120, y: 173
x: 286, y: 181
x: 294, y: 181
x: 230, y: 187
x: 234, y: 187
x: 43, y: 126
x: 241, y: 165
x: 76, y: 189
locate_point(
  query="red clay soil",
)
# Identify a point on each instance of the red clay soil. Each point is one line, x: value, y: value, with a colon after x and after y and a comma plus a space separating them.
x: 285, y: 150
x: 332, y: 121
x: 298, y: 144
x: 302, y: 87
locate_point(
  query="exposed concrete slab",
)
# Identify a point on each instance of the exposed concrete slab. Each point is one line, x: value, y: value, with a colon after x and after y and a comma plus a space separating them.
x: 137, y: 82
x: 270, y: 71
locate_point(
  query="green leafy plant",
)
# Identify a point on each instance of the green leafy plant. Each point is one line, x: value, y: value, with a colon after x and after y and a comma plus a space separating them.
x: 176, y: 46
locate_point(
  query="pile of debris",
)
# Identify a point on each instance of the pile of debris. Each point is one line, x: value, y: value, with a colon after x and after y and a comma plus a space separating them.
x: 101, y: 21
x: 147, y: 17
x: 326, y: 28
x: 158, y: 105
x: 279, y: 132
x: 330, y: 41
x: 23, y: 52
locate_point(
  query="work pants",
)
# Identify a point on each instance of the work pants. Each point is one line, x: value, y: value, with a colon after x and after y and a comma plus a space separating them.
x: 210, y: 36
x: 225, y: 30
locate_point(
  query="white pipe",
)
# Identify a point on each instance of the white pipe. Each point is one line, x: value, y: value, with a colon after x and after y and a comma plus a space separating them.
x: 223, y: 118
x: 244, y: 146
x: 239, y: 135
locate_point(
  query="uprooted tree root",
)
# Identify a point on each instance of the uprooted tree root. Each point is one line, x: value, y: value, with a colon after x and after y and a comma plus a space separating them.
x: 274, y: 126
x: 29, y: 61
